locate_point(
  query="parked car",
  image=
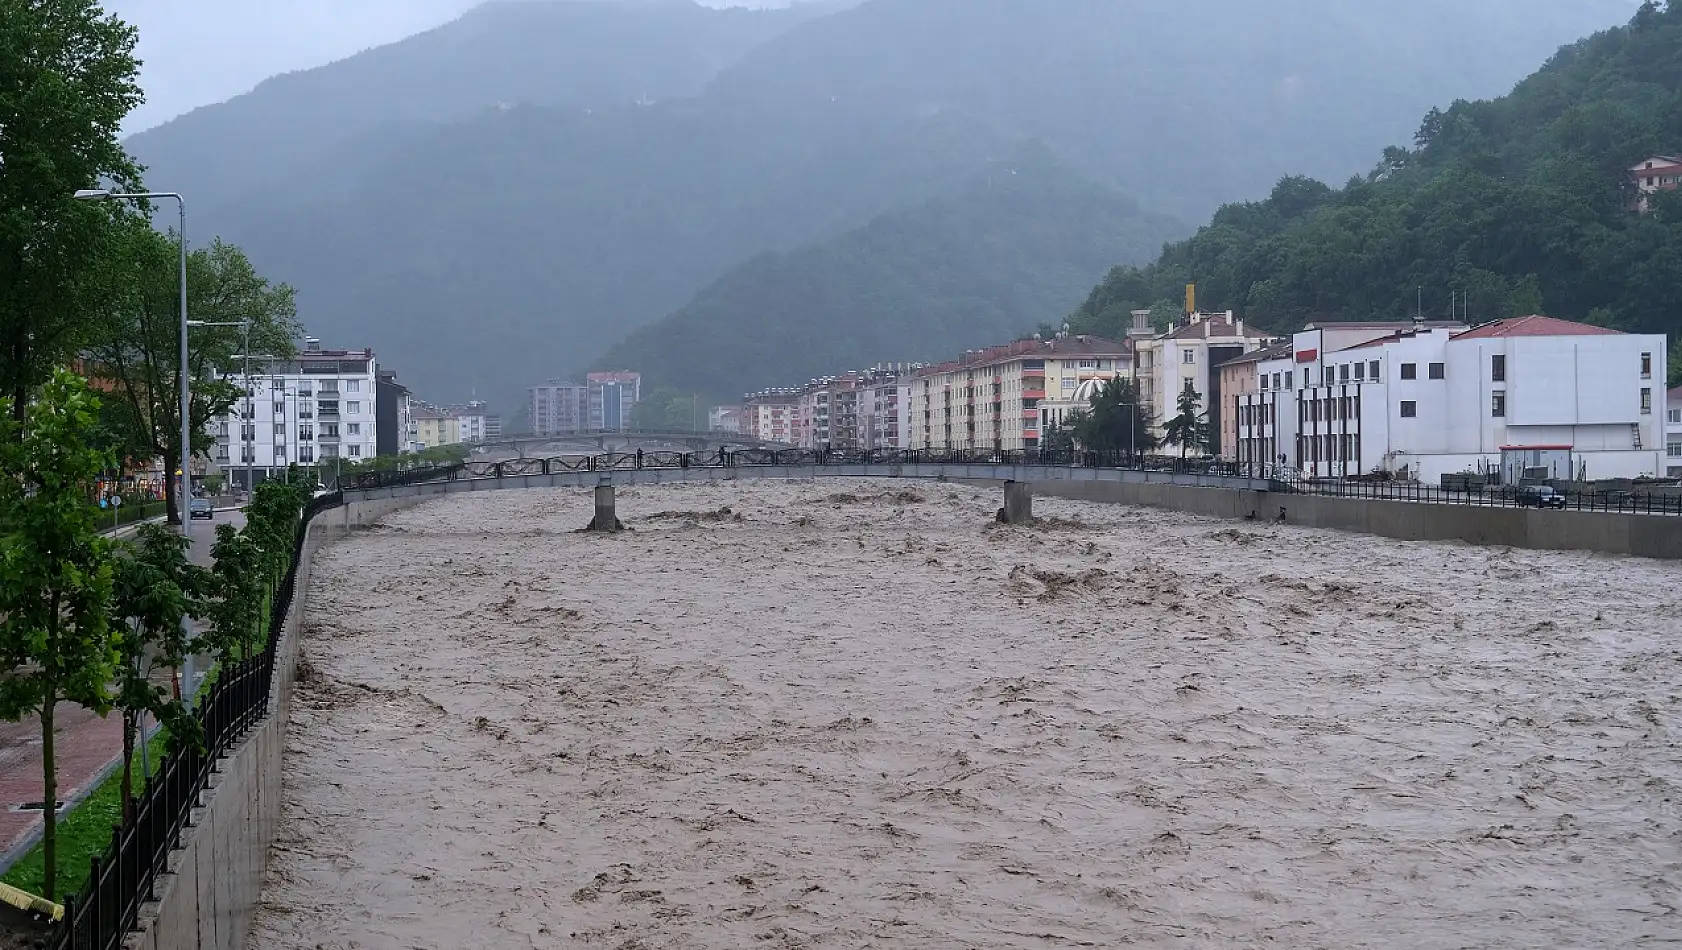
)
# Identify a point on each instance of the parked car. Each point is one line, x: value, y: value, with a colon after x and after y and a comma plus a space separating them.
x: 1540, y: 496
x: 201, y: 508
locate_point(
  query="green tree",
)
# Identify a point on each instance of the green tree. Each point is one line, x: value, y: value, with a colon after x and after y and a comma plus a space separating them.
x: 1059, y: 438
x: 1190, y: 425
x: 155, y: 588
x: 236, y: 579
x: 1675, y: 374
x: 67, y: 79
x: 56, y: 644
x: 137, y: 343
x: 1116, y: 420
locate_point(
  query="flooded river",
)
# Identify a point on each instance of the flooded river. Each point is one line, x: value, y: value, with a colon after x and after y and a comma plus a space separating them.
x: 860, y: 714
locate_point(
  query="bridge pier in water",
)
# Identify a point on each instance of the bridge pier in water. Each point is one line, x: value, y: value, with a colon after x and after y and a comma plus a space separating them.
x: 606, y: 519
x: 1019, y: 503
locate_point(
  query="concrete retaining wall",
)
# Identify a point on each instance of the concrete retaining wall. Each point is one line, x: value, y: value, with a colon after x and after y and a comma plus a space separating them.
x: 208, y: 899
x: 1655, y: 536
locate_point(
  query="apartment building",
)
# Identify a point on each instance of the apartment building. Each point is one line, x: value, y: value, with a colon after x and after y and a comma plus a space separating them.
x: 1191, y: 353
x: 611, y: 398
x: 1508, y: 395
x: 394, y: 425
x: 558, y: 406
x: 769, y: 415
x: 318, y: 406
x: 470, y: 420
x: 885, y: 410
x: 724, y: 419
x: 990, y: 399
x: 1246, y: 435
x: 435, y: 427
x: 1673, y: 433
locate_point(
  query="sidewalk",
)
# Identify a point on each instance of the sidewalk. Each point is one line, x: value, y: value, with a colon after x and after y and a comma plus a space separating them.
x: 86, y: 747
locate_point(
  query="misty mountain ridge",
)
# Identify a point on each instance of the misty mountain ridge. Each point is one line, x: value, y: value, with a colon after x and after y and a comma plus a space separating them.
x: 422, y: 209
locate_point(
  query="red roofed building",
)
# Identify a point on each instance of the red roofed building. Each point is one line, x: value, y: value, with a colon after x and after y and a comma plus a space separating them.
x: 1656, y: 174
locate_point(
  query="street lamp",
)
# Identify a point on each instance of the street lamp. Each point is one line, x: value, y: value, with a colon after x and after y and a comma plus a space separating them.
x: 247, y: 451
x: 184, y: 487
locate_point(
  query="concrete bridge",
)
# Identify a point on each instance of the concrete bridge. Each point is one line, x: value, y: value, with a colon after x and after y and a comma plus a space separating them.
x: 1017, y: 471
x: 524, y: 445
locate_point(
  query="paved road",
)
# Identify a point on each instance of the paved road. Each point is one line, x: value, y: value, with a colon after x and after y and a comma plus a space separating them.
x: 86, y: 745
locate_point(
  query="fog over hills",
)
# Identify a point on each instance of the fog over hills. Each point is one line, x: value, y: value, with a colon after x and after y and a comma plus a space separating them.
x: 501, y: 199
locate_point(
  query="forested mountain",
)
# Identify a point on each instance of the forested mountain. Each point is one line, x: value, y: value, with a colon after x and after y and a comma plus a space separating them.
x: 579, y: 55
x: 487, y: 204
x: 1516, y: 205
x: 1022, y: 241
x: 1185, y: 103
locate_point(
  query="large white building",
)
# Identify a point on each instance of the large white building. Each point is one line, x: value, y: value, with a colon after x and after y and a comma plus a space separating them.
x: 1190, y: 353
x: 1524, y: 393
x: 1673, y: 433
x: 310, y: 410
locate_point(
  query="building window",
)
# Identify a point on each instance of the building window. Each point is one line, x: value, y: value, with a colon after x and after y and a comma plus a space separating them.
x: 1410, y: 409
x: 1646, y: 402
x: 1674, y: 450
x: 1360, y: 371
x: 1343, y: 373
x: 353, y: 408
x: 1372, y: 369
x: 1646, y: 366
x: 1497, y: 369
x: 353, y: 428
x: 1189, y: 356
x: 1498, y: 405
x: 306, y: 454
x: 1410, y: 370
x: 354, y: 451
x: 353, y: 385
x: 306, y: 433
x: 1434, y: 370
x: 1676, y: 417
x: 280, y: 431
x: 1305, y: 377
x: 1264, y: 380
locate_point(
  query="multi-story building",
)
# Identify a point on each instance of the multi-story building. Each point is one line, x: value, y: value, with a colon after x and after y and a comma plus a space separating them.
x: 557, y: 407
x: 724, y: 419
x: 612, y: 397
x: 318, y: 406
x: 1245, y: 434
x: 470, y: 421
x: 1673, y: 433
x: 1525, y: 393
x: 769, y: 414
x: 1191, y: 354
x: 885, y: 409
x: 493, y: 427
x: 394, y: 424
x: 1656, y: 174
x: 435, y: 427
x: 990, y: 399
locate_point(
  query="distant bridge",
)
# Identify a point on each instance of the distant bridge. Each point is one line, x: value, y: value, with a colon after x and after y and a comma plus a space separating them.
x: 609, y: 438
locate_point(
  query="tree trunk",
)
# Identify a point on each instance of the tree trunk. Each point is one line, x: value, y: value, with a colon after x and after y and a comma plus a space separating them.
x: 128, y: 767
x: 171, y: 481
x: 49, y: 799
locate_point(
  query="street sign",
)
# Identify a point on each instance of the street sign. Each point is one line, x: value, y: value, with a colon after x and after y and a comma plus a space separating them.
x: 117, y: 500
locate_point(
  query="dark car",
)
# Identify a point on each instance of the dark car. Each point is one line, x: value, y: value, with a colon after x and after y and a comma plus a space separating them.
x: 201, y: 508
x: 1540, y: 496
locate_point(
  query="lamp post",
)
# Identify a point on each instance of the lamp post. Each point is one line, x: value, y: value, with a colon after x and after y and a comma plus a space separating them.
x: 184, y: 486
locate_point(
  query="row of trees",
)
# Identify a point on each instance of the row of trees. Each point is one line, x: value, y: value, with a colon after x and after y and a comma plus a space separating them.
x: 88, y: 620
x: 1117, y: 421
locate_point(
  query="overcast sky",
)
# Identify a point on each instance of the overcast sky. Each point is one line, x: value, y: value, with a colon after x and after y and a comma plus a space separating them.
x: 197, y: 52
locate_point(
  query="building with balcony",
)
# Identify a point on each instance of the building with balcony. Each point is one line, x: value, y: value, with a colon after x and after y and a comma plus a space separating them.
x: 435, y: 427
x: 611, y: 398
x: 558, y: 407
x: 770, y: 415
x: 318, y: 406
x: 1191, y: 353
x: 991, y: 398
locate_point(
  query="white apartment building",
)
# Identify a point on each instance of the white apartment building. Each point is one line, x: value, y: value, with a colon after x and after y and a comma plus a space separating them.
x: 990, y: 399
x: 557, y: 407
x: 470, y: 421
x: 312, y: 409
x: 1673, y: 433
x: 724, y: 419
x: 1496, y: 399
x: 1191, y: 353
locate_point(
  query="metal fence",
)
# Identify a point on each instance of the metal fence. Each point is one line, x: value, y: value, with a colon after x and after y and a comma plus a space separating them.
x: 1286, y: 480
x: 1637, y: 500
x: 123, y: 878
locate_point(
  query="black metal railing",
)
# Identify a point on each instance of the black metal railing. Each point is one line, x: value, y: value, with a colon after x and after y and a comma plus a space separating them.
x: 1285, y: 480
x: 123, y: 878
x: 1636, y: 500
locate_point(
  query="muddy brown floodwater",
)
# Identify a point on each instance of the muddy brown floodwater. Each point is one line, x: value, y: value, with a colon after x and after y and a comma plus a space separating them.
x: 858, y: 714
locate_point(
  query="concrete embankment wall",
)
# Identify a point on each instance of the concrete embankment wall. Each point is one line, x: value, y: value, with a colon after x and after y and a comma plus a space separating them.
x: 1654, y: 536
x: 207, y: 900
